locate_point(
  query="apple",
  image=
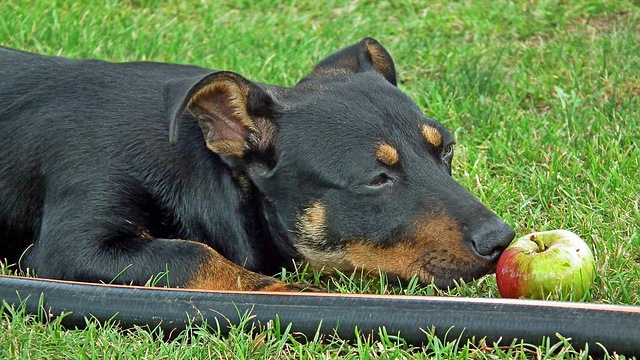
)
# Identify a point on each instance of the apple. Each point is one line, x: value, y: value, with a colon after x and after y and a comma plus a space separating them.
x: 541, y: 263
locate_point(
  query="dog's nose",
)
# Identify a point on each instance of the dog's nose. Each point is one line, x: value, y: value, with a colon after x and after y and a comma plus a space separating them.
x: 490, y: 240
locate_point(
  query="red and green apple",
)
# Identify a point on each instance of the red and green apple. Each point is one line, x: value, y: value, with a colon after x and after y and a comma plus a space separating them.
x: 535, y: 265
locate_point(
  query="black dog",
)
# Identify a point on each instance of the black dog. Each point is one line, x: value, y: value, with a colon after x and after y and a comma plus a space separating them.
x: 120, y: 172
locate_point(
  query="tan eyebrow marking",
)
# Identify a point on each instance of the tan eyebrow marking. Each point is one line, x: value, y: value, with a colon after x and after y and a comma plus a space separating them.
x: 432, y: 135
x: 387, y: 154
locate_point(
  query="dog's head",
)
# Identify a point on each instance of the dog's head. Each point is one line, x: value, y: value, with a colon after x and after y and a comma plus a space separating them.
x: 351, y: 173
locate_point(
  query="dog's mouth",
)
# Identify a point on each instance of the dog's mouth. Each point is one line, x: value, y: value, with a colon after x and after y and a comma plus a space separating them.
x: 400, y: 263
x: 434, y: 250
x: 442, y: 277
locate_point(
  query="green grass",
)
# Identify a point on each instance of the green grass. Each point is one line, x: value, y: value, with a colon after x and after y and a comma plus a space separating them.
x: 542, y: 96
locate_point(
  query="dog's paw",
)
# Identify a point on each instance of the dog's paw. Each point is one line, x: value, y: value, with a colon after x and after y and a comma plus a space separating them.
x: 293, y: 287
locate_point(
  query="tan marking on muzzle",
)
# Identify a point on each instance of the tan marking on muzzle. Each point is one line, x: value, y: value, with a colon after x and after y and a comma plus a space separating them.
x: 311, y: 226
x: 432, y: 135
x: 312, y: 222
x: 387, y: 154
x: 433, y: 246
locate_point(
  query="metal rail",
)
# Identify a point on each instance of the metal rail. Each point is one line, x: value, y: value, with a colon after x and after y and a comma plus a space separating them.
x: 616, y: 327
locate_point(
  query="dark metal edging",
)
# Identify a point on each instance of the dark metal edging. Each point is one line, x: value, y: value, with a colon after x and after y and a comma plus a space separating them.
x: 616, y: 327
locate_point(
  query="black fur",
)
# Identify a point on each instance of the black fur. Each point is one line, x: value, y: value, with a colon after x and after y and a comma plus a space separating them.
x: 91, y: 187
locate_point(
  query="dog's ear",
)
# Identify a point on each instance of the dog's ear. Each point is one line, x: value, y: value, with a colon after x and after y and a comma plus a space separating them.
x: 367, y: 55
x: 235, y: 115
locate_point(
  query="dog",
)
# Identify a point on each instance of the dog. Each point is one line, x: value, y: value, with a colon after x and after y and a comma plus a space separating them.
x: 119, y: 172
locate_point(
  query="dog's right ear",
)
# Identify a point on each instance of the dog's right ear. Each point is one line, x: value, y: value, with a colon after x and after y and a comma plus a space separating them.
x: 235, y: 115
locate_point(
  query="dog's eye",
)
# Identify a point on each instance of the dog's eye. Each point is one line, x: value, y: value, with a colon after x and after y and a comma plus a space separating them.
x: 447, y: 153
x: 380, y: 180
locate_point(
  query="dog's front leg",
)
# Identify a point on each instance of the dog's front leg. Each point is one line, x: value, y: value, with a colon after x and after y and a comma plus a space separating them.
x: 174, y: 263
x: 217, y: 273
x: 96, y: 251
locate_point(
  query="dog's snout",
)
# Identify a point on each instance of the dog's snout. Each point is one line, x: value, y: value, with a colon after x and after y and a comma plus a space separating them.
x: 490, y: 240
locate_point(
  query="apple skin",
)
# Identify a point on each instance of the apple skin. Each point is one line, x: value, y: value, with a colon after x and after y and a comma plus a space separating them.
x: 565, y: 265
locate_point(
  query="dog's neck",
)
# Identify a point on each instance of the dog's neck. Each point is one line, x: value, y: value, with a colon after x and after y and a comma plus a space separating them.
x: 280, y: 235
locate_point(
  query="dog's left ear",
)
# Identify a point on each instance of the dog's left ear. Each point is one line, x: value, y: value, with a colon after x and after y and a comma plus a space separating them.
x: 234, y: 114
x: 366, y: 55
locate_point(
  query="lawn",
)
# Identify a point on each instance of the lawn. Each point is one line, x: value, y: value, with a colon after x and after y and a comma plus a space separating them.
x: 543, y: 98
